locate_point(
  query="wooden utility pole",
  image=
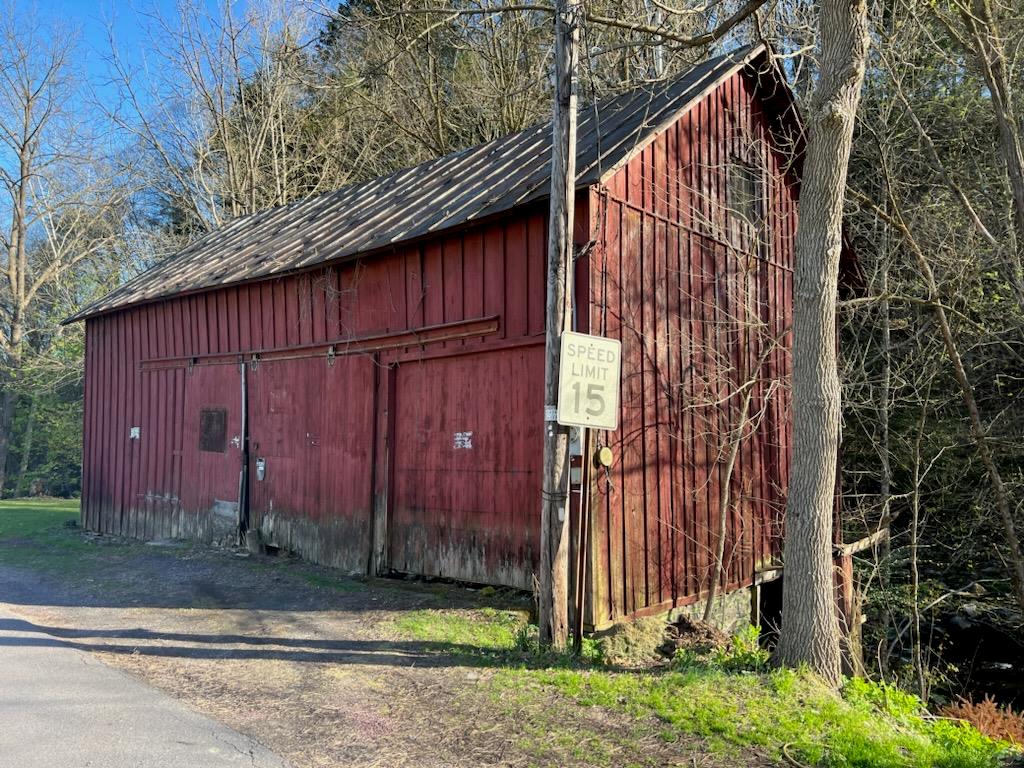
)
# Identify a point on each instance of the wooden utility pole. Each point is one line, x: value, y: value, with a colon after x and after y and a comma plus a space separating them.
x: 554, y: 523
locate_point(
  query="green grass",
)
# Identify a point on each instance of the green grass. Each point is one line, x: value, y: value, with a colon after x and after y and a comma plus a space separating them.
x: 31, y: 518
x: 33, y: 534
x: 483, y: 630
x: 780, y: 713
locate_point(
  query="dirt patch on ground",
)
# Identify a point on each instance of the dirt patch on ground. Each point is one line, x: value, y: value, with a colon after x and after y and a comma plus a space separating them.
x: 311, y: 665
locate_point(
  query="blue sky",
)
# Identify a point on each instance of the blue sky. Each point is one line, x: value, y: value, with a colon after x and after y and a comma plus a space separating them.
x: 90, y: 21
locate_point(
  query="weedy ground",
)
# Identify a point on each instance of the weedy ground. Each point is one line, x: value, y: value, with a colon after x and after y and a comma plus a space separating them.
x: 335, y: 671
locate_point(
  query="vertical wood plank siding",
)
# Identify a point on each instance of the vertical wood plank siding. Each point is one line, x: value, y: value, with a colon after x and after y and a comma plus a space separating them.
x: 320, y: 475
x: 695, y: 305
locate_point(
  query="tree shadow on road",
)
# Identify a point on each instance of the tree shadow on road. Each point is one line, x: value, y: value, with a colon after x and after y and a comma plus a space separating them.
x: 20, y: 632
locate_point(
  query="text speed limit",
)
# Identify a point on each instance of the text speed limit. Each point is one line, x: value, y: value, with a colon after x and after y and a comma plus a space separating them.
x: 588, y: 381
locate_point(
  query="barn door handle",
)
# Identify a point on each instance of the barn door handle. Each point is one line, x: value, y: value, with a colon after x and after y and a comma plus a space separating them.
x: 261, y: 468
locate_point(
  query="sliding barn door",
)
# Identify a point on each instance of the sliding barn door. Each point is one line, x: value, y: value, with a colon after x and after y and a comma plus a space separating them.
x: 467, y: 467
x: 211, y: 451
x: 311, y: 457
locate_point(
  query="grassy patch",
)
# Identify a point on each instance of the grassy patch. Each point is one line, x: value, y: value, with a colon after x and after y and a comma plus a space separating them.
x: 495, y: 636
x: 31, y: 518
x: 550, y: 733
x: 781, y: 713
x: 34, y: 534
x: 730, y: 701
x: 481, y: 630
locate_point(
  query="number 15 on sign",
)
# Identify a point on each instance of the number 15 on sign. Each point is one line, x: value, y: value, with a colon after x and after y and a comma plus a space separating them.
x: 588, y: 381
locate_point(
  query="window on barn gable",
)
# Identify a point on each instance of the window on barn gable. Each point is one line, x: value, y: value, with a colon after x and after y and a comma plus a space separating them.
x: 213, y: 430
x: 745, y: 197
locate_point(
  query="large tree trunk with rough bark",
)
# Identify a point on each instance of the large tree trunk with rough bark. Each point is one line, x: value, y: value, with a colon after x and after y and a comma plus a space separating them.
x: 810, y: 625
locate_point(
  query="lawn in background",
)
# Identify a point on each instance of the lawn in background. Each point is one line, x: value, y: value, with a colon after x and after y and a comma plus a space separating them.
x: 43, y: 534
x: 32, y: 518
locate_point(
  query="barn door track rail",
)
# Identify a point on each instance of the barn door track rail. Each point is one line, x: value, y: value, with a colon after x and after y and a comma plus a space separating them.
x: 330, y: 350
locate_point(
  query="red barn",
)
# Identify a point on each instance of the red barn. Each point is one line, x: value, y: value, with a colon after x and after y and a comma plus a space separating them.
x: 358, y: 377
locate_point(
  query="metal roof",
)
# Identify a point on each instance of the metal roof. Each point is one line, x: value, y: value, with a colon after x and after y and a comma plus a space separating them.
x: 436, y: 195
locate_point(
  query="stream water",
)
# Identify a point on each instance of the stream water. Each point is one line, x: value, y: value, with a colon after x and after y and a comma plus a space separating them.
x: 988, y: 654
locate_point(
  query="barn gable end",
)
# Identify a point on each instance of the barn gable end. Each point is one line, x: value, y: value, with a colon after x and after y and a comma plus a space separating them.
x: 701, y: 300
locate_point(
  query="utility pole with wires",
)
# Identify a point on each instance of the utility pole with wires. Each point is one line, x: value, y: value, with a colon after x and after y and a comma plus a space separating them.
x: 554, y: 523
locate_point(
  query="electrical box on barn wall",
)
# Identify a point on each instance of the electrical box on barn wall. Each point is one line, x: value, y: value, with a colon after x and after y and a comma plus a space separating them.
x: 588, y: 381
x: 575, y: 456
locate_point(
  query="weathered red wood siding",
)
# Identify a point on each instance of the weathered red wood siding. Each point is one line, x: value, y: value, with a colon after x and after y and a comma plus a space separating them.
x: 425, y: 456
x: 327, y: 429
x: 695, y: 308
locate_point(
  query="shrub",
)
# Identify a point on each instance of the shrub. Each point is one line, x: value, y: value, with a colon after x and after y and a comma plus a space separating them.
x: 989, y: 718
x: 741, y: 653
x: 885, y: 697
x: 744, y: 652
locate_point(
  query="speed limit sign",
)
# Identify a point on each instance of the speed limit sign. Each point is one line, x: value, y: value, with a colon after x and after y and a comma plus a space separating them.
x: 588, y: 381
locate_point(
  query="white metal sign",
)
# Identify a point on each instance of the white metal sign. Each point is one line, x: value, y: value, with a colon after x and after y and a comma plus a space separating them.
x: 588, y: 381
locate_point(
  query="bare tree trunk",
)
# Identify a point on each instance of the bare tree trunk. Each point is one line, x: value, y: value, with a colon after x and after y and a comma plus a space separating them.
x: 810, y: 624
x: 884, y: 396
x: 554, y: 527
x: 6, y: 419
x: 883, y: 550
x: 915, y: 576
x: 26, y: 446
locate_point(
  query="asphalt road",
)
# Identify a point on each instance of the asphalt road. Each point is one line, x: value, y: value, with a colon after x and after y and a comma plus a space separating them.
x: 62, y: 708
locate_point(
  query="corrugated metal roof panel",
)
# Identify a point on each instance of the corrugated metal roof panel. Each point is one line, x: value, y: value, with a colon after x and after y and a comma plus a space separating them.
x: 439, y: 194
